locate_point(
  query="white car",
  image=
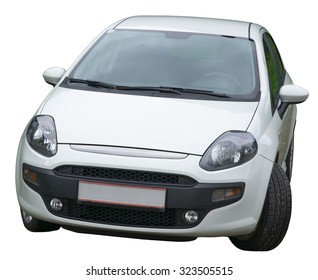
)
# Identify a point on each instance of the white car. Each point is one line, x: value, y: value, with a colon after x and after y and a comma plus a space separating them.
x: 165, y: 128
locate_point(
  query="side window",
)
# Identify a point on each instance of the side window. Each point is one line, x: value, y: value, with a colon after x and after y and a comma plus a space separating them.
x: 275, y: 68
x: 277, y: 57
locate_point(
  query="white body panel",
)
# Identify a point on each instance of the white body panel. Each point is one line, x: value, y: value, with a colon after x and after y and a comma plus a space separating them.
x: 187, y: 24
x: 169, y: 124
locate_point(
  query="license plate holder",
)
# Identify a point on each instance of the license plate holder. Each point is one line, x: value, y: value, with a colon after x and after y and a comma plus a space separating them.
x: 123, y: 195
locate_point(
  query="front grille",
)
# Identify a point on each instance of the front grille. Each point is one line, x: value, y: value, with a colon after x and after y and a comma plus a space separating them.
x: 170, y: 218
x: 124, y: 175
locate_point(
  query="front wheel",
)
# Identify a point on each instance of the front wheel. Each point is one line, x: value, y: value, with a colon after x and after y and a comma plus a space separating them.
x: 275, y: 217
x: 36, y: 225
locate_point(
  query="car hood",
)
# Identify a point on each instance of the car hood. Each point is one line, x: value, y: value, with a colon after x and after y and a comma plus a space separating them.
x: 157, y: 123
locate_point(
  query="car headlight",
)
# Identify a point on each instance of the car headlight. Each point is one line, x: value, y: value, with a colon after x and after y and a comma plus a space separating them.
x: 231, y: 149
x: 41, y: 135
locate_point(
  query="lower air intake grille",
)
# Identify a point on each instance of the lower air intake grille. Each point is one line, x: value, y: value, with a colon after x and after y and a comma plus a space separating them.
x: 170, y: 218
x: 124, y: 175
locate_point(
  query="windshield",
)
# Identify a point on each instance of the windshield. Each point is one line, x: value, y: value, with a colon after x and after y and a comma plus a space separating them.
x: 137, y: 58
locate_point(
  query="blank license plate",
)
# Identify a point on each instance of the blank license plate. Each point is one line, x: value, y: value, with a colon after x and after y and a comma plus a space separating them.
x: 138, y: 196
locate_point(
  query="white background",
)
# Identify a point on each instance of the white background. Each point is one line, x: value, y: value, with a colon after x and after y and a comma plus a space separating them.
x: 36, y: 35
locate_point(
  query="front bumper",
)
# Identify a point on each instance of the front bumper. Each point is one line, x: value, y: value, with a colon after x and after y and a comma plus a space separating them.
x: 223, y: 218
x: 182, y: 194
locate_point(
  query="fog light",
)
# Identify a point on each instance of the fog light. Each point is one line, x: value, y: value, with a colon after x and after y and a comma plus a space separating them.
x: 223, y: 194
x: 191, y: 217
x: 56, y: 204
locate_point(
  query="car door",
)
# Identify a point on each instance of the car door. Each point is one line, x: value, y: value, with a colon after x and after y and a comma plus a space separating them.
x: 277, y: 77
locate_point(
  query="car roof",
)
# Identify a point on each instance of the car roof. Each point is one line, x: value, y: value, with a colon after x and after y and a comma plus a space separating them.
x: 186, y: 24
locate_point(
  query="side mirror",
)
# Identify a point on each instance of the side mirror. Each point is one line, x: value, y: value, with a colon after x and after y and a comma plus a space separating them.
x: 291, y: 94
x: 53, y: 75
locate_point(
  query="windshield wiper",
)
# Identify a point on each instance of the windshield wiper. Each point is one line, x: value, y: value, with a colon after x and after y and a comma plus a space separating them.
x: 99, y: 84
x: 92, y: 83
x: 175, y: 90
x: 203, y: 92
x: 150, y: 88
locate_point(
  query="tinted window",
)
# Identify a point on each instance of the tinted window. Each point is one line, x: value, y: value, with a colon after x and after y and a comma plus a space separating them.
x: 275, y: 68
x: 276, y: 54
x: 272, y: 75
x: 173, y: 59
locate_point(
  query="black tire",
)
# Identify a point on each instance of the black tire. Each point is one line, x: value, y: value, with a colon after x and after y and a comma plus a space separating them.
x: 36, y: 225
x: 275, y: 217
